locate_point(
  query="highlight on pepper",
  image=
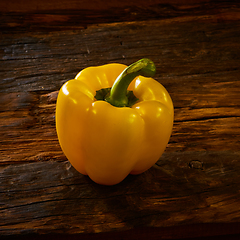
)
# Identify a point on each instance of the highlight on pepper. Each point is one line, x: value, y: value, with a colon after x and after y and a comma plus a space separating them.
x: 113, y: 120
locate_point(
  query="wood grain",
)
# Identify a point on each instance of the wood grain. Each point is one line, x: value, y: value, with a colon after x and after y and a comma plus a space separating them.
x: 184, y: 188
x: 29, y: 16
x: 196, y: 49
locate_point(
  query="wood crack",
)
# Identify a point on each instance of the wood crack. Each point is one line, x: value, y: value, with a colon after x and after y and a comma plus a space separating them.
x: 206, y: 118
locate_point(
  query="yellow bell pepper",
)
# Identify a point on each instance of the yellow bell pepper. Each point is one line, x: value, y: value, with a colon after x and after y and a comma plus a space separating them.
x: 114, y: 120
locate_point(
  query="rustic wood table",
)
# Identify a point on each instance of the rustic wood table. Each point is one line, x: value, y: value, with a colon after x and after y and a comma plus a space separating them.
x: 194, y: 188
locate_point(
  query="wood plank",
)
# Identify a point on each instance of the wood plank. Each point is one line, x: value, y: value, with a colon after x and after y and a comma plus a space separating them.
x: 28, y: 121
x: 25, y: 16
x: 196, y: 49
x: 184, y: 188
x: 24, y: 6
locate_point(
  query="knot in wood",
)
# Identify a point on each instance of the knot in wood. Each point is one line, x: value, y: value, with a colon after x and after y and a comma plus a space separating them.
x: 196, y: 164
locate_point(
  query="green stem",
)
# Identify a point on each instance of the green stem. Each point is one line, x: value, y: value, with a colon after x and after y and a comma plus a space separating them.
x: 118, y: 94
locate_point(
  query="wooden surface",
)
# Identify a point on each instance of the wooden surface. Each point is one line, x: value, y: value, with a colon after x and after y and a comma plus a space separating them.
x: 192, y: 191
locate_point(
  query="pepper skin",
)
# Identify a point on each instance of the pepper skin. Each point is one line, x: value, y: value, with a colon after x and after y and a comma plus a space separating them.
x: 107, y: 142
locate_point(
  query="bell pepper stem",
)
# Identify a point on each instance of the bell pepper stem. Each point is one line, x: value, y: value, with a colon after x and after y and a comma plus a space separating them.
x: 118, y: 94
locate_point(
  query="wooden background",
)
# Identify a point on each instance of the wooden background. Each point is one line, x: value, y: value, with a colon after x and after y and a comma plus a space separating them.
x: 193, y: 190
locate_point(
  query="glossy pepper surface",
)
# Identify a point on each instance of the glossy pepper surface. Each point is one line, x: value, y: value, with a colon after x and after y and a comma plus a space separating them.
x: 114, y: 120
